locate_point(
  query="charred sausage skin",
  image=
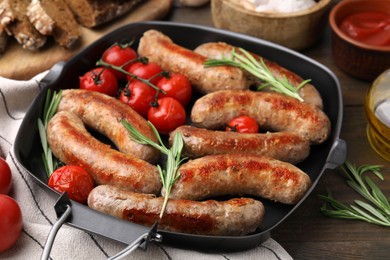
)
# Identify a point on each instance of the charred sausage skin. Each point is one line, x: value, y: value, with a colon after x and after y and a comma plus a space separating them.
x: 284, y: 146
x: 159, y: 48
x: 234, y: 217
x: 272, y: 111
x: 217, y: 50
x: 104, y: 114
x: 70, y: 141
x: 238, y: 174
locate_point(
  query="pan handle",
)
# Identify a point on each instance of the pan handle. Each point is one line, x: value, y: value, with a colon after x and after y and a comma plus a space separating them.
x: 79, y: 216
x: 337, y: 155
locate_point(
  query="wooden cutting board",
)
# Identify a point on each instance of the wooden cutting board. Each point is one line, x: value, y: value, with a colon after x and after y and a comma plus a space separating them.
x: 21, y: 64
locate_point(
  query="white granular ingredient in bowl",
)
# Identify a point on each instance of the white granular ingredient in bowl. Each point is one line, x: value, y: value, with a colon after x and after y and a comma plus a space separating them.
x: 279, y: 6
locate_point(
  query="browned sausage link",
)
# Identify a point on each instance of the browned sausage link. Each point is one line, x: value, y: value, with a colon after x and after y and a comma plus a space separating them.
x: 234, y: 217
x: 309, y: 93
x: 232, y: 174
x: 158, y: 48
x: 73, y: 144
x: 284, y: 146
x: 272, y: 111
x: 104, y: 114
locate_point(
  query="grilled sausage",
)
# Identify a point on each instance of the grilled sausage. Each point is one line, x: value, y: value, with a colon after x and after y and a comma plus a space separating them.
x: 73, y: 144
x: 284, y: 146
x: 308, y: 92
x: 159, y: 48
x: 104, y: 114
x: 272, y: 111
x: 239, y: 174
x: 234, y: 217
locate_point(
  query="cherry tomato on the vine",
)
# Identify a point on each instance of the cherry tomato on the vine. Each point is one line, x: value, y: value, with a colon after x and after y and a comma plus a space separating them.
x: 177, y: 86
x: 138, y: 96
x: 74, y: 180
x: 243, y: 124
x: 119, y: 55
x: 168, y: 115
x: 11, y: 222
x: 101, y: 80
x: 149, y: 71
x: 5, y: 177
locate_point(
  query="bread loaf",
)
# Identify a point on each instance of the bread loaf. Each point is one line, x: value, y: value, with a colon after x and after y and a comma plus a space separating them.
x: 54, y: 17
x: 16, y: 23
x: 91, y: 13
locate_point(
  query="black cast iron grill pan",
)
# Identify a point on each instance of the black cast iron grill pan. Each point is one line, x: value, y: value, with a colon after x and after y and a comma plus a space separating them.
x: 63, y: 75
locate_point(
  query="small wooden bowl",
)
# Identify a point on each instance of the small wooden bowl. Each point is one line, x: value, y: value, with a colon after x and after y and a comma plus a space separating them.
x: 295, y: 30
x: 355, y: 58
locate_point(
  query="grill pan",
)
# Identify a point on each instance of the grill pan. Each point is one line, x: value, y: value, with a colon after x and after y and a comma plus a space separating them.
x: 63, y: 75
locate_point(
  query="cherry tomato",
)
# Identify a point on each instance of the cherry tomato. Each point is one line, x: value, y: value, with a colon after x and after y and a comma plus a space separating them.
x: 11, y: 222
x: 138, y: 96
x: 177, y: 86
x: 168, y: 115
x: 5, y: 177
x: 118, y: 55
x: 243, y: 124
x: 146, y: 71
x: 74, y: 180
x: 101, y: 80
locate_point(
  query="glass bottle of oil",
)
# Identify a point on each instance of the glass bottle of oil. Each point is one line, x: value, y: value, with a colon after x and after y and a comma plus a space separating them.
x: 377, y: 109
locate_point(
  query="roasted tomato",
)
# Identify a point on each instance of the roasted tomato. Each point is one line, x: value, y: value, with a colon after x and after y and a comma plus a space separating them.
x: 101, y: 80
x: 146, y: 70
x: 177, y: 86
x: 167, y: 115
x: 120, y: 55
x: 74, y: 180
x: 5, y: 177
x: 138, y: 96
x: 10, y: 222
x: 243, y: 124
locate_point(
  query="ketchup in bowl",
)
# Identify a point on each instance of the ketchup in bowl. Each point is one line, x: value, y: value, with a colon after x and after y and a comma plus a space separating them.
x: 371, y: 27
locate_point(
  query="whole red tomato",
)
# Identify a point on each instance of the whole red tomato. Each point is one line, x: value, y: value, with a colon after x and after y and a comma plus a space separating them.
x: 5, y: 177
x: 177, y: 86
x: 74, y: 180
x: 138, y: 96
x: 243, y: 124
x: 168, y: 115
x: 11, y: 222
x: 101, y: 80
x: 118, y: 55
x: 149, y: 71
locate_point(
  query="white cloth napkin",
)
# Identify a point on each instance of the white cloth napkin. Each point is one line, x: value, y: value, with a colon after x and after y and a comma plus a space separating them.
x: 38, y: 208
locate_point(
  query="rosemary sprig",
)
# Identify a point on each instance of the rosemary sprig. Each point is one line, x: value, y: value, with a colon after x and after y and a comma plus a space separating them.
x: 376, y: 211
x: 51, y: 104
x: 260, y: 70
x: 169, y: 175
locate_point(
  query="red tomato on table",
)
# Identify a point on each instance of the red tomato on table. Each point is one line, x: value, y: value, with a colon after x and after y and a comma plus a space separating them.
x: 243, y: 124
x: 5, y: 177
x: 177, y: 86
x: 119, y: 55
x: 101, y: 80
x: 11, y: 222
x: 74, y: 180
x: 168, y: 115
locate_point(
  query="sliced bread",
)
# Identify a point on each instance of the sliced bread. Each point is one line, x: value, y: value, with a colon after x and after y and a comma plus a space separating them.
x: 3, y: 39
x: 91, y: 13
x: 53, y: 17
x: 17, y: 24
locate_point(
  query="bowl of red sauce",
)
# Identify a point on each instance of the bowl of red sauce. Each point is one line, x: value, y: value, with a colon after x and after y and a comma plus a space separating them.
x: 361, y: 37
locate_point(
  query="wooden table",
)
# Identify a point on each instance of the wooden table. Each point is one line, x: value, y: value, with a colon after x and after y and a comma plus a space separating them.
x: 307, y: 234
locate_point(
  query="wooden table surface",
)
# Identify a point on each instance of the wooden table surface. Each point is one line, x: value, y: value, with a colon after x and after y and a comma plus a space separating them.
x: 307, y: 234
